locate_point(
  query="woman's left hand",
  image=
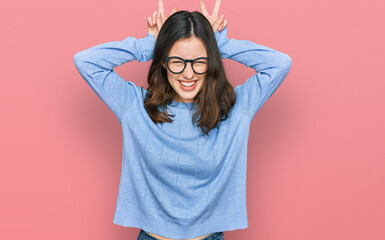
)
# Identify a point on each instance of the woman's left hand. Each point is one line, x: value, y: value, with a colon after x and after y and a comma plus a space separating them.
x: 218, y: 23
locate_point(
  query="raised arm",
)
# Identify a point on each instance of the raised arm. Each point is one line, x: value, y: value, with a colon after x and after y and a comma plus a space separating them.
x: 271, y: 66
x: 96, y: 66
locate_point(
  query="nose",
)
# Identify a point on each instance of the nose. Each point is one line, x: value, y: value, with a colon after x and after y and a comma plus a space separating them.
x: 188, y: 72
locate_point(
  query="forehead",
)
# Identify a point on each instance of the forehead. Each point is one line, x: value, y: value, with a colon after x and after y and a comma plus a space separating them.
x: 189, y: 48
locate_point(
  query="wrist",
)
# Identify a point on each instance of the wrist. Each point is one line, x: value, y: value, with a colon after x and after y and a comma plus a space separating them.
x: 221, y: 37
x: 147, y: 45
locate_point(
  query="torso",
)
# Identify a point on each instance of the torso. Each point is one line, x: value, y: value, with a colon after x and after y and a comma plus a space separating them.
x: 164, y: 238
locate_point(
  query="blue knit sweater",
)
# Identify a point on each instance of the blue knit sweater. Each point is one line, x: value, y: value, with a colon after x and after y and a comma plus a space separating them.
x: 175, y: 181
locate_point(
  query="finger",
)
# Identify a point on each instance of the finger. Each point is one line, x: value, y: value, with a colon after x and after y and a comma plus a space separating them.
x: 161, y: 8
x: 218, y: 22
x: 154, y: 18
x: 216, y: 8
x: 149, y: 21
x: 203, y: 8
x: 223, y: 25
x: 220, y: 27
x: 158, y: 21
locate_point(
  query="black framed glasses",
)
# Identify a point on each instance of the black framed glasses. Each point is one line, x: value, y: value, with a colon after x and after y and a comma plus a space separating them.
x: 177, y: 65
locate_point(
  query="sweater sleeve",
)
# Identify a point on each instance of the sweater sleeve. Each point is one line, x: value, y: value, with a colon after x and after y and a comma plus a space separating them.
x: 96, y: 66
x: 270, y: 65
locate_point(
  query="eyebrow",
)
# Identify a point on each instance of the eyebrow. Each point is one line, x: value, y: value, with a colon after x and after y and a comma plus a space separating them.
x: 189, y: 58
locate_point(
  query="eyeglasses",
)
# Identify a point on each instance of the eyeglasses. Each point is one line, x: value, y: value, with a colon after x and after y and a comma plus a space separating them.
x: 177, y: 65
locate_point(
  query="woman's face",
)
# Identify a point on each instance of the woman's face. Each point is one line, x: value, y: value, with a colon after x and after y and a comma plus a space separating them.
x: 190, y: 48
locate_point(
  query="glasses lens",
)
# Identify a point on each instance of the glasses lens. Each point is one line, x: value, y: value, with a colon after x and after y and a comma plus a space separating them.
x: 200, y: 65
x: 176, y: 65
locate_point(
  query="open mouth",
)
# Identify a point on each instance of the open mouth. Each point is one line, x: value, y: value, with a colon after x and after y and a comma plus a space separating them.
x: 187, y: 85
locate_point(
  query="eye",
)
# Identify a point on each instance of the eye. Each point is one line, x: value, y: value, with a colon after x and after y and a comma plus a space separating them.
x: 200, y: 62
x: 176, y: 61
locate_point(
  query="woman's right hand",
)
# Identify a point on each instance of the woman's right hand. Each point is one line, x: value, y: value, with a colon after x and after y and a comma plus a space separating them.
x: 154, y: 23
x: 218, y: 23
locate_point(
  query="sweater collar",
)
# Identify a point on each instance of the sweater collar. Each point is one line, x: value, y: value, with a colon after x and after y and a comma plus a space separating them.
x: 181, y: 105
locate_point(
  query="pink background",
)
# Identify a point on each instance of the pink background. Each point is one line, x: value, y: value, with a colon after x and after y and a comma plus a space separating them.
x: 316, y: 148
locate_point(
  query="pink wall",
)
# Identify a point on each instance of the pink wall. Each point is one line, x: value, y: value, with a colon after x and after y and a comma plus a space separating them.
x: 61, y: 146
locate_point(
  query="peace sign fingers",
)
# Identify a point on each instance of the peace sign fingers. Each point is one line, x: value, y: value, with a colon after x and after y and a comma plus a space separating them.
x: 215, y: 21
x: 216, y: 8
x: 161, y: 9
x: 155, y: 22
x: 215, y: 11
x: 203, y: 9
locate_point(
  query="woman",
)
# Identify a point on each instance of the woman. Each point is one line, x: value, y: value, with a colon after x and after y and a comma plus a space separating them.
x: 185, y: 136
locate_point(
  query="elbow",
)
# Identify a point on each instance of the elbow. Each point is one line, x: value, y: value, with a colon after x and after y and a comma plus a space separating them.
x: 77, y: 59
x: 286, y: 63
x: 80, y: 63
x: 81, y: 57
x: 287, y: 60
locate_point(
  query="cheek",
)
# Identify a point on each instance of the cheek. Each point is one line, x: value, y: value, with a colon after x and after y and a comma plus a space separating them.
x: 172, y: 79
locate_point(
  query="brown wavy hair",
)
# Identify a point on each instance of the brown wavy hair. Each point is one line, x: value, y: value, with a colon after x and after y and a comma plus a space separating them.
x: 216, y: 97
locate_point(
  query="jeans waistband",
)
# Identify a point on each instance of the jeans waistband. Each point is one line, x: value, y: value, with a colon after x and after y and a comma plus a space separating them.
x: 211, y: 236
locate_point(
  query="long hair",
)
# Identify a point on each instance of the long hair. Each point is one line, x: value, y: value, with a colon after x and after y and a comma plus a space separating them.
x: 216, y: 96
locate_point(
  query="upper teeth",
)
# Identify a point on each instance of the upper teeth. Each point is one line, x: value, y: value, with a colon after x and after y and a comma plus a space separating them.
x: 187, y: 84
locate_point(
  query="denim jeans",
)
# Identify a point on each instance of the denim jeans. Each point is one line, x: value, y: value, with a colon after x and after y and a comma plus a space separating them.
x: 214, y: 236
